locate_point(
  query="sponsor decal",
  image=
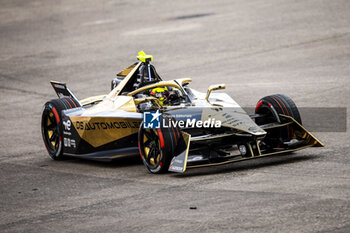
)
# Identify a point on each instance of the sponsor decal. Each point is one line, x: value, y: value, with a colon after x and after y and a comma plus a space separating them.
x: 176, y: 168
x: 59, y: 86
x: 151, y: 120
x: 67, y: 125
x: 80, y: 125
x: 191, y: 123
x: 69, y: 142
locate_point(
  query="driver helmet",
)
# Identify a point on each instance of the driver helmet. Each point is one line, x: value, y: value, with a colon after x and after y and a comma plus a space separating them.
x: 161, y: 94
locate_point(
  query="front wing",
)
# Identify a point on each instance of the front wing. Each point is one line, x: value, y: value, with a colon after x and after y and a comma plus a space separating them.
x: 185, y: 159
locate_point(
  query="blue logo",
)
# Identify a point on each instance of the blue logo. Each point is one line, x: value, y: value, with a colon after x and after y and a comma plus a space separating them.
x: 151, y: 120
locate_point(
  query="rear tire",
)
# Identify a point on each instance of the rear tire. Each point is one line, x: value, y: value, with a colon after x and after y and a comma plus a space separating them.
x: 51, y: 125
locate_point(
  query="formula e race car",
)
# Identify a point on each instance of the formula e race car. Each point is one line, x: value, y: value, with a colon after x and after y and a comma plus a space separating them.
x: 170, y: 125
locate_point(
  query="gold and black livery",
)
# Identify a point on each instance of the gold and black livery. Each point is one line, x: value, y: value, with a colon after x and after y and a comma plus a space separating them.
x: 109, y: 126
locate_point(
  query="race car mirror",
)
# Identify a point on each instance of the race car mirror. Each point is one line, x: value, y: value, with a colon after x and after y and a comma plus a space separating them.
x: 213, y: 88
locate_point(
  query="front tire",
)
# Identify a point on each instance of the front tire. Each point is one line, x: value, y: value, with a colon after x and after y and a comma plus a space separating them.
x: 157, y: 147
x: 273, y: 105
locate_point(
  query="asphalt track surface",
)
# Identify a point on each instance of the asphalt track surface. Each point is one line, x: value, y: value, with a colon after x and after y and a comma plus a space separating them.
x: 300, y: 48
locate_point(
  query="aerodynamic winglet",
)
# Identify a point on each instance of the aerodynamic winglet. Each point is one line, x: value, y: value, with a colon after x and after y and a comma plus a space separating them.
x: 179, y: 162
x: 62, y: 91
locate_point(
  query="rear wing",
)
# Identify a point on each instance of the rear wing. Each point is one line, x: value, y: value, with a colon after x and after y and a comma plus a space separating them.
x: 62, y: 91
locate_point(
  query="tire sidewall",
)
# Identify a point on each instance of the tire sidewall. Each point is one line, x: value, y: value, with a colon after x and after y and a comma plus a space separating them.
x: 279, y: 104
x: 167, y: 152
